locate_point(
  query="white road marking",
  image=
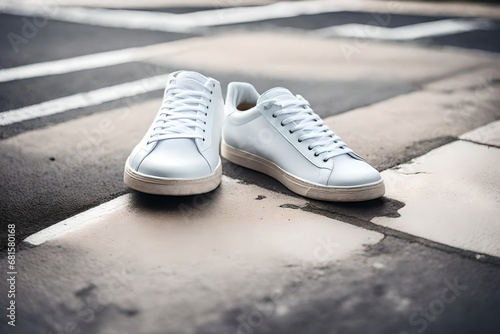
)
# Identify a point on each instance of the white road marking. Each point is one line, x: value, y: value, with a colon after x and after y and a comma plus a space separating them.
x: 82, y: 100
x: 86, y: 62
x: 134, y: 19
x: 77, y: 221
x: 409, y: 32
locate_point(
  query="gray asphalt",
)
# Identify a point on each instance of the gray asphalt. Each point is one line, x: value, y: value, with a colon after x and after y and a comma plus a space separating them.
x: 365, y: 303
x: 448, y: 294
x: 59, y: 40
x: 56, y: 190
x: 39, y: 191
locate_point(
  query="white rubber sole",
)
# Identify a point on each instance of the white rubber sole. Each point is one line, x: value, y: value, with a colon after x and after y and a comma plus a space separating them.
x: 299, y: 186
x: 171, y: 187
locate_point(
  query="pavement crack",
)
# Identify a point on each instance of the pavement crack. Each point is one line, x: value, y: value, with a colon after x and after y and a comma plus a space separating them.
x: 479, y: 143
x: 128, y: 312
x: 290, y: 206
x: 415, y: 150
x: 409, y: 173
x: 86, y: 291
x: 387, y: 231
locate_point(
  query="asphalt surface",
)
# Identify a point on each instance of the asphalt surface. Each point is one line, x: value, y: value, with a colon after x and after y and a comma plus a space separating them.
x: 487, y: 40
x: 37, y: 191
x: 59, y: 40
x: 342, y: 314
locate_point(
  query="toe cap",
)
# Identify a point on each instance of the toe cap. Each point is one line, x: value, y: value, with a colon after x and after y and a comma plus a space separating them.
x: 350, y: 172
x: 175, y: 159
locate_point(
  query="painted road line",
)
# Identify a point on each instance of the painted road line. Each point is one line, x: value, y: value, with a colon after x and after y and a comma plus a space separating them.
x: 87, y: 62
x: 82, y: 100
x: 409, y: 32
x: 77, y: 221
x: 159, y: 21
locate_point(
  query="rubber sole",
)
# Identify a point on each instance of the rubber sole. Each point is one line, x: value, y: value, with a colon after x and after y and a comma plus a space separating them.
x: 171, y: 187
x: 299, y: 186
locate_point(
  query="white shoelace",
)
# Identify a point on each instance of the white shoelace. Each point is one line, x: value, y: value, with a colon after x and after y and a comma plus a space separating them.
x: 320, y: 138
x: 182, y: 113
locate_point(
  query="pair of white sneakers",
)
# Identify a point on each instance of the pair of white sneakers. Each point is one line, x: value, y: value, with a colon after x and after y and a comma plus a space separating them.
x: 276, y: 133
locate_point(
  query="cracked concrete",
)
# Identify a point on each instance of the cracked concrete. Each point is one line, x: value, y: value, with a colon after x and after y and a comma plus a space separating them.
x: 453, y: 206
x: 487, y: 135
x: 207, y: 246
x: 250, y: 255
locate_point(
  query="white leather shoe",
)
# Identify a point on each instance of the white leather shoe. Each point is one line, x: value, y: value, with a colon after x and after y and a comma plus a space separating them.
x: 278, y: 134
x: 179, y: 155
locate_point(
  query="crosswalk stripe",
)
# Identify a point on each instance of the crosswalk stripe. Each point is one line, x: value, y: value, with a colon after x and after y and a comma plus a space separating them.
x: 87, y: 62
x: 82, y: 100
x: 133, y: 19
x: 409, y: 32
x: 76, y: 221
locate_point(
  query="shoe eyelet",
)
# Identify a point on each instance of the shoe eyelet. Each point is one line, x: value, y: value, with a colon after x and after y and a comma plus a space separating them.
x: 206, y: 114
x: 213, y: 85
x: 211, y: 92
x: 324, y: 160
x: 316, y: 154
x: 282, y: 124
x: 309, y: 148
x: 204, y: 122
x: 274, y: 116
x: 291, y: 132
x: 203, y: 139
x: 204, y: 131
x: 210, y: 100
x: 300, y: 141
x: 207, y: 107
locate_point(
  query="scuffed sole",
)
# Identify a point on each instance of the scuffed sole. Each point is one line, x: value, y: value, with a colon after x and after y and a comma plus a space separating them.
x: 299, y: 186
x: 171, y: 187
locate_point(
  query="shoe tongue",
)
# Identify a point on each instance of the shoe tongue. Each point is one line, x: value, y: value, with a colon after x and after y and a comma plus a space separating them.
x: 190, y: 80
x: 277, y: 93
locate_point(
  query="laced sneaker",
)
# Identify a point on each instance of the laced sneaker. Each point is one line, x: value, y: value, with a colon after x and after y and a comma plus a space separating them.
x: 278, y: 134
x: 179, y: 155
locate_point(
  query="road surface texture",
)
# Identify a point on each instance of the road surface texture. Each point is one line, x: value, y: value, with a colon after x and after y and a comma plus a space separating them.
x: 412, y: 87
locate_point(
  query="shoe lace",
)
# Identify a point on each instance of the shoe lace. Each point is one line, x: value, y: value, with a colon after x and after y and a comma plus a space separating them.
x: 181, y: 114
x: 314, y: 131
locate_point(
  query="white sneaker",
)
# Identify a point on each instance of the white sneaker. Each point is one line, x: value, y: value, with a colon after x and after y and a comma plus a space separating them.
x: 179, y: 155
x: 278, y: 134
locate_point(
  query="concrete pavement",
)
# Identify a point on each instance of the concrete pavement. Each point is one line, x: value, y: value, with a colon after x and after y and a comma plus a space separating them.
x: 251, y: 257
